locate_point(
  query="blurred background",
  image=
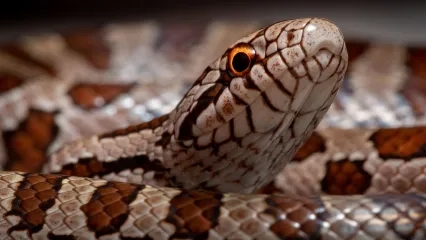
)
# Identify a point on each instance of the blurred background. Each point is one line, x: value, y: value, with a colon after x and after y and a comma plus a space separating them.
x: 390, y: 20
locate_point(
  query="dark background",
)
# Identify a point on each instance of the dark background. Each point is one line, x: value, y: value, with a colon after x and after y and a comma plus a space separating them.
x: 395, y: 21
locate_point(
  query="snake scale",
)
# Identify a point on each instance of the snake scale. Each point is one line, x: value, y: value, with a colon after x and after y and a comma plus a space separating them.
x: 214, y: 166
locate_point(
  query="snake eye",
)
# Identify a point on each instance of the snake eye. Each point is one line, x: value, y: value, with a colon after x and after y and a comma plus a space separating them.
x: 240, y: 59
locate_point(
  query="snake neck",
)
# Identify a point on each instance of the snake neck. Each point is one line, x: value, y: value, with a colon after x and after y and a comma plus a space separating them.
x: 149, y: 153
x: 134, y: 154
x: 239, y: 165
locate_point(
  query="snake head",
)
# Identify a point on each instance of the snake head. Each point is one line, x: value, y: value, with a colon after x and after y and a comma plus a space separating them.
x: 253, y: 107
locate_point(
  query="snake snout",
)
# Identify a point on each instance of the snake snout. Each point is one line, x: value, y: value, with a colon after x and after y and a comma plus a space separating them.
x: 308, y: 52
x: 322, y: 34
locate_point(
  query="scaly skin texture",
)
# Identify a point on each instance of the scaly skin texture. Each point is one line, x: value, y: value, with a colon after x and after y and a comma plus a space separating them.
x: 60, y: 207
x: 356, y: 161
x: 232, y: 132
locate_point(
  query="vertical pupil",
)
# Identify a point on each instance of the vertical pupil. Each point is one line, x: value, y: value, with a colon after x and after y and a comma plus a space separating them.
x: 240, y: 62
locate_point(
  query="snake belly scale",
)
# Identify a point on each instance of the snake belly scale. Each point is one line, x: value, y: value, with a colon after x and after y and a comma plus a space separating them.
x: 234, y: 130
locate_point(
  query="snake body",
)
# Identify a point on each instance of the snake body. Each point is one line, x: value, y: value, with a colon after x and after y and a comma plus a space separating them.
x: 194, y: 173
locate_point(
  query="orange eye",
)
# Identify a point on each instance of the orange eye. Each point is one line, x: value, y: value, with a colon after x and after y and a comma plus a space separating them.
x: 240, y: 59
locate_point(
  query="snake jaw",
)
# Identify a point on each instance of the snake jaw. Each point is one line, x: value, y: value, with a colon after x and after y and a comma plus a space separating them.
x: 257, y: 120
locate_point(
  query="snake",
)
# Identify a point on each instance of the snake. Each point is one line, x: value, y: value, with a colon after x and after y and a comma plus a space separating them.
x: 238, y: 157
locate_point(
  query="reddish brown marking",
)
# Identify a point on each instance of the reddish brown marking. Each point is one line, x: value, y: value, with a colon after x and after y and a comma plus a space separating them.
x: 403, y: 143
x: 91, y: 96
x: 292, y: 217
x: 153, y: 124
x: 9, y: 82
x: 194, y: 213
x: 226, y: 78
x: 91, y: 44
x: 86, y: 167
x: 18, y: 52
x: 27, y: 145
x: 109, y: 208
x: 415, y: 89
x: 210, y: 121
x: 270, y: 189
x: 91, y: 167
x: 35, y: 195
x: 290, y: 36
x: 345, y: 177
x: 314, y: 144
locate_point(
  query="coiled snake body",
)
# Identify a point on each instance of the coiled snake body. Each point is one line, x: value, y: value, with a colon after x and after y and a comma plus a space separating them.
x: 193, y: 173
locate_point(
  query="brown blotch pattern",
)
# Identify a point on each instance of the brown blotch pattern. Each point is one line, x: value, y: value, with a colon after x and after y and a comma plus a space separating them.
x: 86, y: 167
x: 401, y: 143
x: 314, y: 144
x: 34, y: 196
x: 194, y: 213
x: 9, y: 82
x: 91, y: 44
x: 18, y: 52
x: 27, y: 145
x: 415, y: 88
x: 109, y: 208
x: 345, y: 177
x: 293, y: 217
x: 269, y: 188
x: 153, y: 124
x: 91, y: 167
x: 97, y: 95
